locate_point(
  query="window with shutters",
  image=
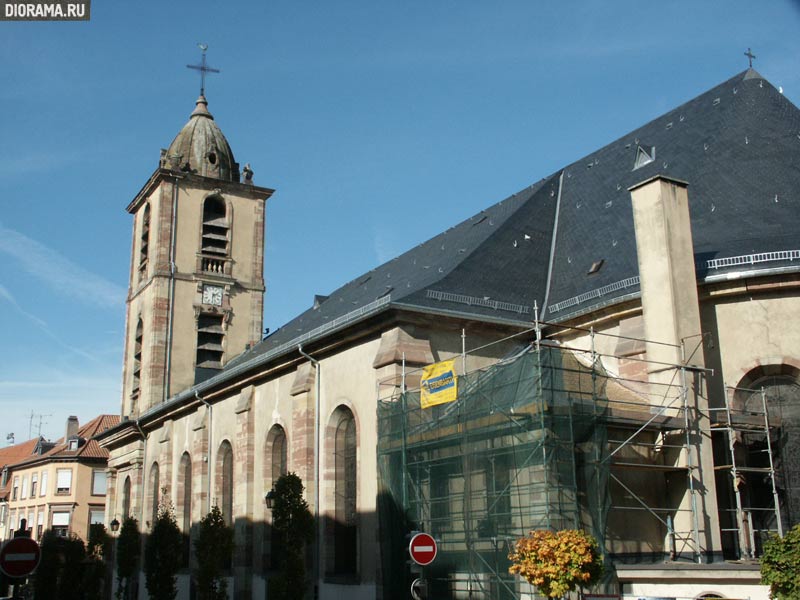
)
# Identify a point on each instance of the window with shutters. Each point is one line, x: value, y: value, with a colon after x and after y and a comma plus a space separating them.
x: 43, y: 490
x: 99, y: 482
x: 60, y: 523
x: 63, y: 481
x: 34, y: 481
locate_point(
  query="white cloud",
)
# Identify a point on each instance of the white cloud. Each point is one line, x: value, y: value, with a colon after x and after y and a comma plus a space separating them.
x: 6, y: 295
x: 64, y: 276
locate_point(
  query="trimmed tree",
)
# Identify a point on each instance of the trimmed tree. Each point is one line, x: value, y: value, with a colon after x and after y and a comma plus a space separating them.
x: 556, y: 562
x: 294, y: 528
x: 162, y: 554
x: 128, y: 549
x: 780, y: 565
x: 213, y: 549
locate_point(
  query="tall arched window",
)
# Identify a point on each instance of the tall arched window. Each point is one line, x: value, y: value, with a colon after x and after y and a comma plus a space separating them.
x: 154, y: 493
x: 781, y: 385
x: 345, y: 527
x: 215, y: 235
x: 276, y: 462
x: 137, y: 366
x: 126, y: 498
x: 144, y: 238
x: 278, y: 438
x: 225, y: 479
x: 185, y: 486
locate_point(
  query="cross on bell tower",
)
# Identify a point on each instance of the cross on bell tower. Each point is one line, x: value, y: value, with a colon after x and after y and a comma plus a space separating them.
x: 203, y: 68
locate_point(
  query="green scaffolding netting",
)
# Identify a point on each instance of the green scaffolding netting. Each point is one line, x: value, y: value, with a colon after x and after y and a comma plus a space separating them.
x: 522, y: 448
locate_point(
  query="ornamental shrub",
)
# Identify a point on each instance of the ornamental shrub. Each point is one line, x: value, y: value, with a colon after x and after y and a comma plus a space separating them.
x: 780, y: 565
x: 163, y: 552
x: 213, y: 549
x: 555, y: 562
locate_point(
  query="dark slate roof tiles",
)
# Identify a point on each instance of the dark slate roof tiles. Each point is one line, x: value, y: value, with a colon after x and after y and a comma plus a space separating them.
x: 738, y: 147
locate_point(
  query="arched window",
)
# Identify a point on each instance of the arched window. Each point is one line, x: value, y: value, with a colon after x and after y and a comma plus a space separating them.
x: 781, y: 391
x: 215, y: 227
x: 278, y: 451
x: 225, y: 481
x: 126, y: 498
x: 154, y: 493
x: 137, y: 366
x: 344, y: 545
x: 185, y: 499
x: 276, y: 465
x: 144, y: 238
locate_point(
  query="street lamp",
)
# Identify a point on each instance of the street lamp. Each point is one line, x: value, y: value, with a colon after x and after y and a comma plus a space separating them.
x: 114, y: 525
x: 269, y: 498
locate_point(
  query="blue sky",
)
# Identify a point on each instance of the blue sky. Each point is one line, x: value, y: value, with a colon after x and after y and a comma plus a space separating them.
x: 378, y: 123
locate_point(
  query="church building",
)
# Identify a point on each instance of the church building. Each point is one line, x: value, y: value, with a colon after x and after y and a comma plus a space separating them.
x: 625, y: 353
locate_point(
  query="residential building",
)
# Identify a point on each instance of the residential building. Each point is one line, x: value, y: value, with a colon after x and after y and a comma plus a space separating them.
x: 62, y: 485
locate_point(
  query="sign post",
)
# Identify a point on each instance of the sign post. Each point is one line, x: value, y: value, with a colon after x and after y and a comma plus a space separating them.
x: 422, y: 549
x: 19, y: 557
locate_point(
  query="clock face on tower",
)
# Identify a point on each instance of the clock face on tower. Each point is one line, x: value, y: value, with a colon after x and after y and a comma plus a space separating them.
x: 212, y: 294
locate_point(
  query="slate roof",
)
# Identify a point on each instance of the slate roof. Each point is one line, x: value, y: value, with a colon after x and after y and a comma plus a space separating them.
x: 738, y: 147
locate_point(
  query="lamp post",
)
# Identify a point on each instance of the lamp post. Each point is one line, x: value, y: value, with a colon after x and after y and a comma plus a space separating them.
x: 114, y: 525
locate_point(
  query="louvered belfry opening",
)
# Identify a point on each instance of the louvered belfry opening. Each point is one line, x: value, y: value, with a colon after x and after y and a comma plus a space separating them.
x: 210, y: 335
x: 215, y: 227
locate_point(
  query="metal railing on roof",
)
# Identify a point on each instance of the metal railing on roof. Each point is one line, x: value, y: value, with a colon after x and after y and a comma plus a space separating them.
x: 476, y: 301
x: 749, y: 259
x: 596, y: 293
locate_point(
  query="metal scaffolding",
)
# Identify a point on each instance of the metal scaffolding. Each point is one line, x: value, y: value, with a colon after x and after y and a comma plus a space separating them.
x: 749, y: 468
x: 545, y: 438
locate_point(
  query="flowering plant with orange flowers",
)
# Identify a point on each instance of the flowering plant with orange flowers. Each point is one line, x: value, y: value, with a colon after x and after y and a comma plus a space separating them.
x: 555, y: 562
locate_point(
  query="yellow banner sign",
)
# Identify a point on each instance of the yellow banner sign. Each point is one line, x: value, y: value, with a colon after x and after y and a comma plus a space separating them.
x: 439, y: 384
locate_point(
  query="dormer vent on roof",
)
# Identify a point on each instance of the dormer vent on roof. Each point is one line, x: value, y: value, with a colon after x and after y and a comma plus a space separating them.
x: 644, y: 157
x: 201, y: 148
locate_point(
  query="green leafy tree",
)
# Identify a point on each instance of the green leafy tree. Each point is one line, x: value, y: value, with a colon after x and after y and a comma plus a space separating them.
x: 294, y: 528
x: 555, y: 562
x: 780, y: 565
x: 94, y: 573
x: 61, y: 569
x: 45, y: 580
x: 128, y: 549
x: 213, y: 549
x: 162, y: 555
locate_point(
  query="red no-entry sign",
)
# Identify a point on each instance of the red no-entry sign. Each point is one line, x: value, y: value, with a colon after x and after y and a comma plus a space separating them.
x: 422, y: 549
x: 19, y: 557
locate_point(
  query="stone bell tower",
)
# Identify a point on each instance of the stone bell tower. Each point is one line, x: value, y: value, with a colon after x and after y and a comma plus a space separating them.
x: 196, y: 292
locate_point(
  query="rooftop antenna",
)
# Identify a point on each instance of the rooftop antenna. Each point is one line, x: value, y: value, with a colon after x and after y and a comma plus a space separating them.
x: 750, y: 56
x: 203, y: 68
x: 30, y: 424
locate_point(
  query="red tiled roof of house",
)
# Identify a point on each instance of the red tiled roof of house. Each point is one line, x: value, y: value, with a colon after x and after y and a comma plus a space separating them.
x: 11, y: 454
x: 14, y: 454
x: 90, y: 449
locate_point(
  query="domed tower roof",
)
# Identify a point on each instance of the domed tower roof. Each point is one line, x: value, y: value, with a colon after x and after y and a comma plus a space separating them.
x: 201, y: 148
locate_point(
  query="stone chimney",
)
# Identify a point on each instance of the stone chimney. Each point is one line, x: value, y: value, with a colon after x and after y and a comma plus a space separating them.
x: 72, y: 427
x: 672, y: 328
